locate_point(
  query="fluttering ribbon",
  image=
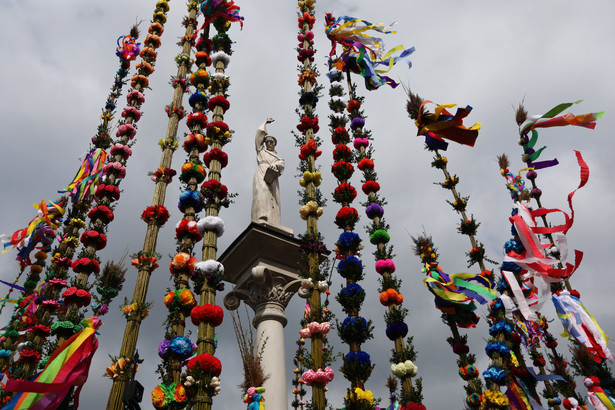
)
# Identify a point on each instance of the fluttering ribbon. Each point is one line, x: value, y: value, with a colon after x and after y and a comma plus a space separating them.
x: 597, y: 396
x: 66, y: 368
x: 535, y: 258
x: 362, y: 53
x: 520, y: 396
x: 455, y: 294
x: 552, y: 119
x: 41, y: 229
x: 441, y: 125
x: 84, y: 184
x: 581, y: 326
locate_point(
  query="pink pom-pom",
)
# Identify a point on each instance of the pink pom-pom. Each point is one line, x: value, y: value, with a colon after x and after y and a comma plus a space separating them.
x: 309, y: 377
x: 360, y: 142
x: 385, y: 265
x: 305, y: 333
x: 126, y: 129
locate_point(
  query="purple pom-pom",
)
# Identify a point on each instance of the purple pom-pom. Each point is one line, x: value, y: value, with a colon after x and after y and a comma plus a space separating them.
x: 163, y: 348
x: 374, y: 211
x: 357, y: 122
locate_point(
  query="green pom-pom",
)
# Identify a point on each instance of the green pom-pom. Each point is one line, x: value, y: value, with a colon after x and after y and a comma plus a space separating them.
x: 380, y: 236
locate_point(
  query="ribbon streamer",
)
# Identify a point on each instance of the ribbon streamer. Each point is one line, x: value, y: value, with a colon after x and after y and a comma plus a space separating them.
x: 441, y: 125
x: 362, y: 53
x: 84, y: 184
x: 551, y: 119
x: 67, y: 367
x: 581, y: 326
x: 455, y: 294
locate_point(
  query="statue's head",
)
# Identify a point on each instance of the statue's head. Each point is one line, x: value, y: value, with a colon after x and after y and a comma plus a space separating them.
x: 270, y: 142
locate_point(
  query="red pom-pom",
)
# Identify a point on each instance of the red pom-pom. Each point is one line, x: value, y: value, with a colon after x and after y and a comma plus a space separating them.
x: 207, y: 313
x: 370, y: 186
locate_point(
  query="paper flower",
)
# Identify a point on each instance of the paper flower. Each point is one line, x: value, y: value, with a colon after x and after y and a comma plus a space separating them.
x: 207, y: 313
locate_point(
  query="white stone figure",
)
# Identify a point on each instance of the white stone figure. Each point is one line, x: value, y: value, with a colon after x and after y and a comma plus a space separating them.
x: 265, y: 186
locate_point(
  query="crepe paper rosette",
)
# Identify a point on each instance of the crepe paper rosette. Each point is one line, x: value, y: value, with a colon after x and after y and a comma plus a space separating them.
x: 342, y: 152
x: 120, y: 367
x: 342, y: 170
x: 391, y: 296
x: 350, y: 268
x: 406, y: 368
x: 95, y: 239
x: 379, y: 236
x: 314, y: 328
x: 314, y: 177
x: 189, y: 229
x: 155, y: 213
x: 212, y: 189
x: 211, y: 223
x: 86, y: 265
x: 102, y: 213
x: 206, y: 363
x: 310, y: 208
x: 196, y: 119
x: 80, y: 297
x: 207, y: 313
x: 216, y: 154
x: 182, y: 262
x: 127, y: 130
x: 190, y: 199
x: 181, y: 299
x: 164, y: 396
x: 218, y: 101
x: 310, y: 148
x: 164, y: 174
x: 174, y: 110
x: 319, y: 376
x: 344, y: 193
x: 114, y: 168
x: 396, y: 330
x: 118, y: 149
x: 195, y: 141
x: 370, y: 187
x: 346, y: 217
x: 212, y: 270
x: 308, y: 123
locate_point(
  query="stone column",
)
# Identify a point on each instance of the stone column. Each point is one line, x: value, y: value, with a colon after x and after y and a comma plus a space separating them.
x: 263, y: 265
x: 267, y: 292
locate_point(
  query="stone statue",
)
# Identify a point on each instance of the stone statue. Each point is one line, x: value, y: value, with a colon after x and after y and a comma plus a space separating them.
x: 265, y: 186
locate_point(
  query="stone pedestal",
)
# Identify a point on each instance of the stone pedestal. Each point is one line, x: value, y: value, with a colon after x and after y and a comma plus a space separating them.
x: 263, y: 263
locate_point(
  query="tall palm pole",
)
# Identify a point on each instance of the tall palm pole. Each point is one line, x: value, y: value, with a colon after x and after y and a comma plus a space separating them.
x: 145, y: 260
x: 355, y: 58
x: 207, y: 280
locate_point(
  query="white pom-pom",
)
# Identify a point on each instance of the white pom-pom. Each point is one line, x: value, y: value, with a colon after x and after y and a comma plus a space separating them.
x: 211, y: 223
x: 209, y: 267
x: 323, y: 286
x: 220, y: 56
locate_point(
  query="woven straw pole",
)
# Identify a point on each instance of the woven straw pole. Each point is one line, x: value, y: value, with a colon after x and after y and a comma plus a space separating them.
x: 131, y: 332
x: 206, y: 332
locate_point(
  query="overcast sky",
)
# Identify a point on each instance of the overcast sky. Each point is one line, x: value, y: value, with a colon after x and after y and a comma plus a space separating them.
x: 58, y: 60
